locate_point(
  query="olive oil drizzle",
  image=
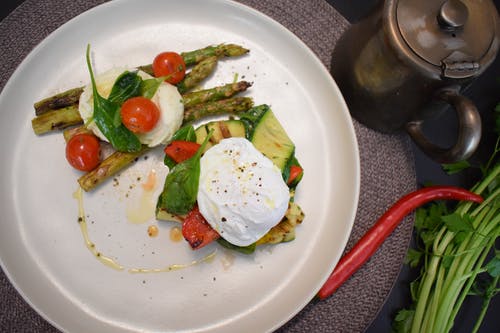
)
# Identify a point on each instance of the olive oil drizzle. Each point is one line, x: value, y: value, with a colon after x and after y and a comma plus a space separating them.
x: 174, y: 267
x: 110, y: 262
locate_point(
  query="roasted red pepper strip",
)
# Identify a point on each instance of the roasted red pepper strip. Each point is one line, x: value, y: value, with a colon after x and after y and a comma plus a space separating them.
x: 181, y: 150
x: 295, y: 171
x: 197, y: 231
x: 385, y: 225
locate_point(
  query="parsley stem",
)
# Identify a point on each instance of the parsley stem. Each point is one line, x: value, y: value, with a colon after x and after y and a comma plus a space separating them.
x: 469, y: 284
x: 484, y: 306
x: 469, y: 264
x: 428, y: 280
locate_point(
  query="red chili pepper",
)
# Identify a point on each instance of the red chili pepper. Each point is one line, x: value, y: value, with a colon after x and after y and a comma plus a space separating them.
x: 181, y: 150
x: 385, y: 225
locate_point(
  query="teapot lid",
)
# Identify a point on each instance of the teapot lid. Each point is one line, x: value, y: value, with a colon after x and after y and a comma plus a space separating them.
x: 458, y: 38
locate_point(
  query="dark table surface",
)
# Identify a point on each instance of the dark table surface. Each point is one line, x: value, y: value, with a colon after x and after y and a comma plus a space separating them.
x: 485, y: 93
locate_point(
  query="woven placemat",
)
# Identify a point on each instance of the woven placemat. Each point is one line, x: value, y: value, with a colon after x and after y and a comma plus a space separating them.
x: 387, y: 167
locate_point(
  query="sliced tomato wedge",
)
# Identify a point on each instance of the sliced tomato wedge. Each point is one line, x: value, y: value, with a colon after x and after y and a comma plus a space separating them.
x: 197, y: 231
x: 181, y: 150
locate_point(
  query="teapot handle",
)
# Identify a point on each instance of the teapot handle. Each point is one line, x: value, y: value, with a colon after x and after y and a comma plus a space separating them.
x: 469, y: 130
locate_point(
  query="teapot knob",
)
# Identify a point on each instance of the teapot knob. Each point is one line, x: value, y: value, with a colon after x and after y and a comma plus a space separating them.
x: 452, y: 15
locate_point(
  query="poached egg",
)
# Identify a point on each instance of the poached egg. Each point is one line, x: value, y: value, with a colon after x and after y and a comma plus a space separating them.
x: 241, y: 193
x: 167, y: 98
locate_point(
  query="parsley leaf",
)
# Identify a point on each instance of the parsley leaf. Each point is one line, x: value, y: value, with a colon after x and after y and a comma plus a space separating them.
x: 456, y: 223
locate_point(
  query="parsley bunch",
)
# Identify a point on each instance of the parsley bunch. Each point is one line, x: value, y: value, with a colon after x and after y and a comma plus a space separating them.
x: 454, y: 250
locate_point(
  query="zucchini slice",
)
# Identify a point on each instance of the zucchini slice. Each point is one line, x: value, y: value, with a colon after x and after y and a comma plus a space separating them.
x: 270, y: 138
x: 222, y: 129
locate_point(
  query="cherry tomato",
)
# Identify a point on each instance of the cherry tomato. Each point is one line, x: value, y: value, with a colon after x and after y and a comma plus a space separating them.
x: 83, y: 152
x: 169, y: 64
x: 181, y: 150
x: 139, y: 114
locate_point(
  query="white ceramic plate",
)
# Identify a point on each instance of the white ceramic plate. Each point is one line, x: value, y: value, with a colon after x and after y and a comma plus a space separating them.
x: 41, y: 247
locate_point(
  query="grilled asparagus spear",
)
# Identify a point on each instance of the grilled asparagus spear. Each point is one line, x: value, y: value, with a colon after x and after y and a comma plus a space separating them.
x: 219, y: 51
x: 69, y: 116
x: 61, y: 100
x: 200, y: 71
x: 108, y: 168
x: 56, y: 119
x: 191, y: 99
x: 233, y: 105
x: 191, y: 58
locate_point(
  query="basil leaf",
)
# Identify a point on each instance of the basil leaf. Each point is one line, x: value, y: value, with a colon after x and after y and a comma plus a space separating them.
x: 249, y: 249
x: 186, y: 133
x: 150, y: 86
x: 127, y: 85
x: 104, y: 117
x: 181, y: 185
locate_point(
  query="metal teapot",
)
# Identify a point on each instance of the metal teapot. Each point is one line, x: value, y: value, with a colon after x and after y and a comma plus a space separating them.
x: 409, y: 59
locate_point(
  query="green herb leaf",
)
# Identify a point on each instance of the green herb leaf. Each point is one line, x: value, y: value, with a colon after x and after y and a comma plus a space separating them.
x: 105, y: 117
x: 413, y: 257
x: 186, y: 133
x: 181, y: 185
x: 403, y: 320
x: 150, y: 86
x: 430, y: 218
x: 249, y: 249
x: 456, y: 223
x: 493, y: 267
x: 126, y: 86
x: 454, y: 168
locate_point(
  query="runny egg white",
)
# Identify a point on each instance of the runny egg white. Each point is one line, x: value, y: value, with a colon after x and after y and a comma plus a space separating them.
x: 167, y: 98
x: 241, y: 194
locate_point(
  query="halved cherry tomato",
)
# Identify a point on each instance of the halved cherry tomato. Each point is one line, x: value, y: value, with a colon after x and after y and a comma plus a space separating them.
x: 169, y: 64
x: 181, y: 150
x: 197, y: 231
x: 83, y: 152
x: 139, y: 114
x: 295, y: 171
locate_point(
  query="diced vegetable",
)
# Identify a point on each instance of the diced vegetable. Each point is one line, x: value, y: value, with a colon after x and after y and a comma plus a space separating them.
x: 180, y: 151
x: 196, y: 230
